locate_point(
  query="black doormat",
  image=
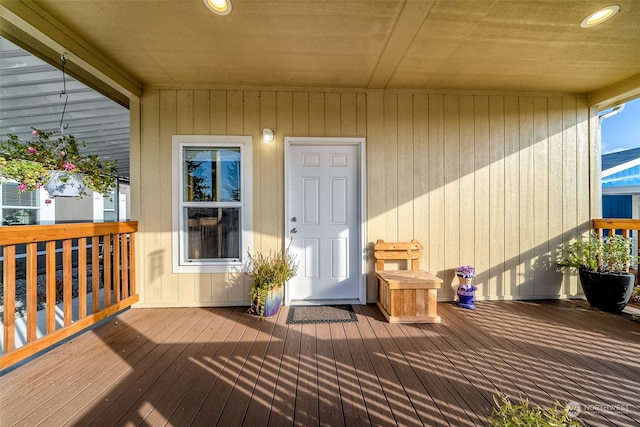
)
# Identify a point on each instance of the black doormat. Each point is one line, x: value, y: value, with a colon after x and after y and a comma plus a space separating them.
x: 321, y: 314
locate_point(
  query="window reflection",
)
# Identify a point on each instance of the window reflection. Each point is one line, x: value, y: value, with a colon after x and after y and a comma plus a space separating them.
x: 212, y: 175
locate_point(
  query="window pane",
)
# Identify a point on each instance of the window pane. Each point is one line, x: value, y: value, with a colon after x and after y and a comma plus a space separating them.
x: 109, y: 216
x: 109, y: 202
x: 12, y: 197
x: 19, y: 216
x: 211, y: 174
x: 213, y: 233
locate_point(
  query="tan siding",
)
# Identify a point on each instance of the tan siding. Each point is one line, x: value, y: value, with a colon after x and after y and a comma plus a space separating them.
x: 556, y: 190
x: 348, y: 114
x: 526, y: 192
x: 375, y: 181
x: 185, y: 120
x: 482, y: 184
x: 421, y: 173
x: 151, y: 224
x: 405, y: 190
x: 389, y: 167
x: 332, y: 125
x: 436, y: 241
x: 218, y: 123
x: 300, y: 113
x: 452, y: 206
x: 270, y: 211
x: 168, y: 127
x: 496, y: 283
x: 570, y: 220
x: 512, y: 197
x: 316, y: 114
x: 542, y: 261
x: 499, y: 182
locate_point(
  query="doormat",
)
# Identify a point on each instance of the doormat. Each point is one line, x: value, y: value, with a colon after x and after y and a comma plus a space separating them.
x: 321, y: 314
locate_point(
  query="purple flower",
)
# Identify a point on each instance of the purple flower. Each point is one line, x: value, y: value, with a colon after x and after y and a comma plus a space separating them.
x: 34, y: 132
x: 48, y: 201
x: 68, y: 166
x: 466, y: 271
x: 22, y: 187
x: 31, y: 150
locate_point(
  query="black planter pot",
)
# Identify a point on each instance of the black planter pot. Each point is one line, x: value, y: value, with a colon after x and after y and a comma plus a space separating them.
x: 607, y: 291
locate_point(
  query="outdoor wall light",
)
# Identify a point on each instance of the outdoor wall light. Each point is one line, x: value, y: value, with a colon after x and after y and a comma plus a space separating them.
x: 267, y: 135
x: 599, y: 16
x: 220, y: 7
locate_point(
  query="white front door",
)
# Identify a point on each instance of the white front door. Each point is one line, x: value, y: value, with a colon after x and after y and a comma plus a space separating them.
x: 324, y: 216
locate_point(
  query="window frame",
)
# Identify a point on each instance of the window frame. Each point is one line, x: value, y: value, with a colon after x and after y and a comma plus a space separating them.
x: 39, y: 200
x: 179, y: 249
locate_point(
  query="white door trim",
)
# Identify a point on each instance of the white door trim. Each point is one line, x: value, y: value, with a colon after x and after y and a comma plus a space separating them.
x: 290, y: 141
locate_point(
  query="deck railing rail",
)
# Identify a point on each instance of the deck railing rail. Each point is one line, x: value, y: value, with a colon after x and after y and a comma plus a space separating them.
x: 625, y: 227
x: 107, y: 250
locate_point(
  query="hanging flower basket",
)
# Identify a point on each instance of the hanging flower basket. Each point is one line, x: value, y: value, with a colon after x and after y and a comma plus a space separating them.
x: 63, y: 184
x: 41, y: 160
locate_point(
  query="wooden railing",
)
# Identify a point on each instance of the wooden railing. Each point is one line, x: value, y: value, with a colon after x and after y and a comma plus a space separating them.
x: 624, y: 227
x: 104, y: 250
x: 614, y: 225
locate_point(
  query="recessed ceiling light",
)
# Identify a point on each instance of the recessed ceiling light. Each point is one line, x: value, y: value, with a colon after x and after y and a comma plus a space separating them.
x: 599, y: 16
x: 220, y: 7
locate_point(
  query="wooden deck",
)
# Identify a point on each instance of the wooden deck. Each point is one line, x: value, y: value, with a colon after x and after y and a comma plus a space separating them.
x: 221, y: 366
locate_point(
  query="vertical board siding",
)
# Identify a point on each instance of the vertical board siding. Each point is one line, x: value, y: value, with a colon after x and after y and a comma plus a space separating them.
x: 499, y: 182
x: 482, y: 198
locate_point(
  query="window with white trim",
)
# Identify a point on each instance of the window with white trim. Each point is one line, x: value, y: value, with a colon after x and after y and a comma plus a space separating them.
x: 212, y: 202
x: 19, y: 208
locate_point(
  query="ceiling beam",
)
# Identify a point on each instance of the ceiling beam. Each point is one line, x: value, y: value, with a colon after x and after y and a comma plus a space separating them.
x: 619, y: 93
x: 29, y: 26
x: 411, y: 18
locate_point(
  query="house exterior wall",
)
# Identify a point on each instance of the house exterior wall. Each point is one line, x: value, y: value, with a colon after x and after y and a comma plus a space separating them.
x: 496, y: 181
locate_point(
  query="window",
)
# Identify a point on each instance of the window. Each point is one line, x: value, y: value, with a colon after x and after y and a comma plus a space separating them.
x: 19, y: 208
x: 109, y: 207
x: 212, y: 202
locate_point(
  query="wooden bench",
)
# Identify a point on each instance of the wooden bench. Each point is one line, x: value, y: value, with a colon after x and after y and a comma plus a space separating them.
x: 406, y: 296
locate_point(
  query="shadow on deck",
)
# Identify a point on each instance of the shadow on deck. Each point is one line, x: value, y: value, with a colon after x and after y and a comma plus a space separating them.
x: 222, y: 366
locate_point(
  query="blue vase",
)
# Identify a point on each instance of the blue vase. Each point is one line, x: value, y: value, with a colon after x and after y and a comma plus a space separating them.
x: 465, y: 292
x: 273, y: 302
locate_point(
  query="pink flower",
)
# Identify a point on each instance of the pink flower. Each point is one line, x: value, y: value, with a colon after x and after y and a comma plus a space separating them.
x: 34, y: 132
x: 31, y: 150
x: 63, y: 153
x: 48, y: 201
x: 38, y: 186
x: 22, y: 187
x: 69, y: 166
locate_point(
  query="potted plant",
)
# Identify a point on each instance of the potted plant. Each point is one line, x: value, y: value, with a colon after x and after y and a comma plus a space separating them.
x: 269, y: 274
x: 603, y: 268
x: 55, y: 163
x: 466, y: 289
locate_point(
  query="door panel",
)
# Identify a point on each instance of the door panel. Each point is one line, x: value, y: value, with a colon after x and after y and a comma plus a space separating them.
x: 323, y: 209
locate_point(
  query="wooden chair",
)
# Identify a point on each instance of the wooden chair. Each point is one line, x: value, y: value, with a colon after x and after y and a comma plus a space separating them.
x: 405, y: 296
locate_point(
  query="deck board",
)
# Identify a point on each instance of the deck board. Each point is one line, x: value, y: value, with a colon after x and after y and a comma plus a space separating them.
x: 222, y: 366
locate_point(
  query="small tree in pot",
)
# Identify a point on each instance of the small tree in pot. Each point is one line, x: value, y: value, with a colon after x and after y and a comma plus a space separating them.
x: 603, y: 267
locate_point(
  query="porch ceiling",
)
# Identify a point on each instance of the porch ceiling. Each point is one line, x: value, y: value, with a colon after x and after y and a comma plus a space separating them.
x: 493, y: 45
